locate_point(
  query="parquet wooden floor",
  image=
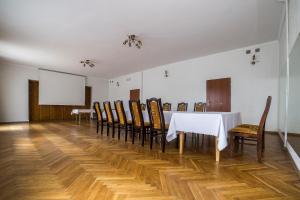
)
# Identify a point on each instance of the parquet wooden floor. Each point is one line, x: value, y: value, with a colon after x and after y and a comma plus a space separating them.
x: 61, y: 160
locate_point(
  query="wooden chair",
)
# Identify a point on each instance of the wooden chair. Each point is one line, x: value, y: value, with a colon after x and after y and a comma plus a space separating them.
x: 182, y: 107
x: 122, y: 119
x: 199, y: 107
x: 143, y: 106
x: 157, y: 121
x: 167, y: 107
x: 251, y: 132
x: 138, y: 120
x: 109, y: 117
x: 99, y: 117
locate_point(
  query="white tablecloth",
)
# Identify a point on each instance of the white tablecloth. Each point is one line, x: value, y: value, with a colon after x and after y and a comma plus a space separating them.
x: 77, y: 111
x: 208, y: 123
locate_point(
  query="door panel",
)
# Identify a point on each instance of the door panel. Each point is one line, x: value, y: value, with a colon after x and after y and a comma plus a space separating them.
x: 218, y: 95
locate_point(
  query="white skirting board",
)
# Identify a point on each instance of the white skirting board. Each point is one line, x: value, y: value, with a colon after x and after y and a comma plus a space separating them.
x: 292, y: 152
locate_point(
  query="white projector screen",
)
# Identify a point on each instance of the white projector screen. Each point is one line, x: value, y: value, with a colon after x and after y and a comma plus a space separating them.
x: 57, y: 88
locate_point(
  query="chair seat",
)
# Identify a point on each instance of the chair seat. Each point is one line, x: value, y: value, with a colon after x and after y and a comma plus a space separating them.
x: 251, y: 126
x: 146, y: 124
x: 243, y: 130
x: 129, y: 122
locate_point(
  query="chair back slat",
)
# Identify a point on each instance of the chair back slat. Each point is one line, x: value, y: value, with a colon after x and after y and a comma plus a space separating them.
x: 262, y: 123
x: 143, y: 106
x: 199, y: 107
x: 98, y: 111
x: 167, y: 107
x: 120, y: 112
x: 182, y: 107
x: 108, y: 112
x: 156, y: 115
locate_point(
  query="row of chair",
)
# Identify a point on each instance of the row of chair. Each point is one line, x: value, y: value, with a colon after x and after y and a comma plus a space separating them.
x: 155, y: 127
x: 198, y: 106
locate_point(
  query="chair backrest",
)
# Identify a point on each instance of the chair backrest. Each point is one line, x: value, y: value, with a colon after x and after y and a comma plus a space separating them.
x: 156, y: 115
x: 98, y: 111
x: 199, y: 107
x: 182, y: 106
x: 120, y: 112
x: 167, y: 107
x: 143, y: 106
x: 108, y: 112
x: 136, y: 113
x: 263, y: 118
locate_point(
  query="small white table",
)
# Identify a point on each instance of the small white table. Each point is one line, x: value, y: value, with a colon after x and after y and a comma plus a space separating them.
x: 207, y: 123
x: 79, y: 112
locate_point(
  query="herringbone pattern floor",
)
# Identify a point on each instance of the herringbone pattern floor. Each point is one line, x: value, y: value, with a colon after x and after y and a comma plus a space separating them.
x: 62, y: 161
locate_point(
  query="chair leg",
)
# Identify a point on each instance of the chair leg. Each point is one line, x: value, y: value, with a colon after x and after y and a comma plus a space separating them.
x: 102, y: 128
x: 259, y: 150
x: 143, y: 136
x: 177, y: 141
x: 126, y: 134
x: 119, y: 132
x: 263, y: 142
x: 113, y: 131
x: 97, y: 127
x: 133, y: 136
x: 151, y: 139
x: 163, y: 142
x: 107, y: 129
x: 231, y: 144
x: 242, y: 144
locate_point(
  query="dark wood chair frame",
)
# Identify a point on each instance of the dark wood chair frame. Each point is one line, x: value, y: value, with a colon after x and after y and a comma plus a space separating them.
x: 100, y: 122
x: 143, y: 106
x: 184, y: 104
x: 259, y: 137
x: 126, y: 125
x: 143, y: 128
x: 153, y: 131
x: 204, y: 106
x: 168, y: 105
x: 109, y: 124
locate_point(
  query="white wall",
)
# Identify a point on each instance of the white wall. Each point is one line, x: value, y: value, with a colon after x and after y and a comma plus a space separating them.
x: 187, y: 81
x: 294, y: 93
x: 282, y: 89
x: 14, y: 91
x: 294, y: 22
x: 99, y: 89
x: 126, y: 83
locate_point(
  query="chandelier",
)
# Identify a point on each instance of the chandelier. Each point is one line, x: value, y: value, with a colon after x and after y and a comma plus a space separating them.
x: 87, y: 62
x: 133, y: 41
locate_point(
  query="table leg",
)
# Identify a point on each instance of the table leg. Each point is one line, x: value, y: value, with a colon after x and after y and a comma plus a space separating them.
x: 217, y: 150
x: 181, y: 142
x: 79, y: 118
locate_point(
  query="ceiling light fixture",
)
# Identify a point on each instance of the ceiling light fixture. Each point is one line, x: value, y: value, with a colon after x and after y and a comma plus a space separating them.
x: 88, y: 63
x: 133, y: 41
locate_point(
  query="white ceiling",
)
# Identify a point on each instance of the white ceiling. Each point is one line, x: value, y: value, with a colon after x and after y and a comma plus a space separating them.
x: 57, y: 34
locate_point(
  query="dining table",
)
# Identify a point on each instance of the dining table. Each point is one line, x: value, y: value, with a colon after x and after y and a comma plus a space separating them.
x: 215, y: 124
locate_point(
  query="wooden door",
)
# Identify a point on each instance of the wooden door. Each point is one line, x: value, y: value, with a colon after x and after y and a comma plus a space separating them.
x: 218, y: 95
x: 135, y: 94
x: 33, y: 95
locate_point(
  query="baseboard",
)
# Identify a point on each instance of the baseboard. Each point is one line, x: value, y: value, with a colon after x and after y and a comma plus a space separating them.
x: 17, y: 122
